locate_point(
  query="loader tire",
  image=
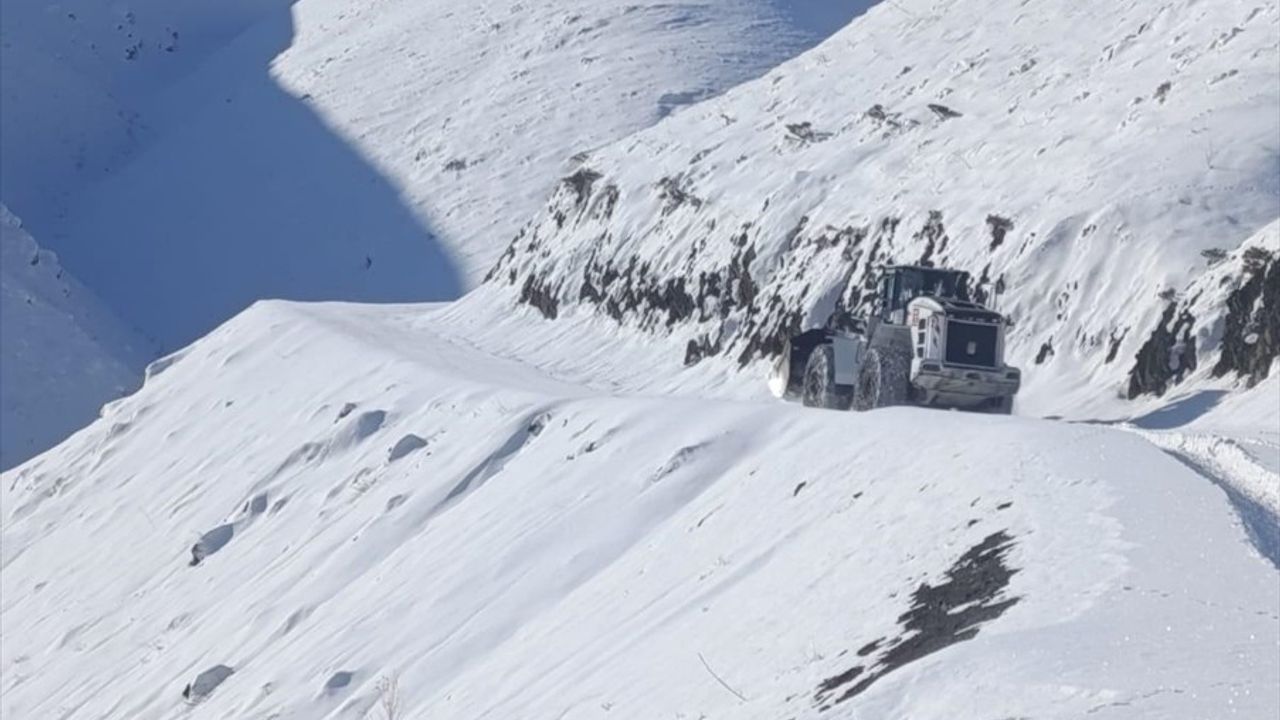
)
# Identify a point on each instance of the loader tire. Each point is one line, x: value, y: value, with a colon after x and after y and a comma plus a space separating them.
x: 1002, y: 405
x: 882, y: 380
x: 820, y: 387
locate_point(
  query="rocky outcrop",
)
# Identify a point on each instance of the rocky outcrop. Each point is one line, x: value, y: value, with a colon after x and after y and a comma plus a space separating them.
x: 1251, y: 340
x: 1229, y: 322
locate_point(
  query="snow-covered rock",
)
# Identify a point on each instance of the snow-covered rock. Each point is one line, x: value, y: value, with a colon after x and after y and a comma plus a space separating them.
x: 543, y: 550
x: 1226, y: 323
x: 62, y: 354
x: 1082, y: 160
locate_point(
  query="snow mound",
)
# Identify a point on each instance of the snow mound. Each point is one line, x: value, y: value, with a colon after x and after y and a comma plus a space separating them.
x: 62, y: 354
x: 236, y: 540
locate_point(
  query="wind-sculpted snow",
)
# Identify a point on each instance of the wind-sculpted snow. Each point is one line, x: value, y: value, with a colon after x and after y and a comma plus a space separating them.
x: 1085, y: 162
x: 318, y: 509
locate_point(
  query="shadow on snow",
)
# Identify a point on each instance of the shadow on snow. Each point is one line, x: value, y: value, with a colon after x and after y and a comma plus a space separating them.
x: 246, y: 195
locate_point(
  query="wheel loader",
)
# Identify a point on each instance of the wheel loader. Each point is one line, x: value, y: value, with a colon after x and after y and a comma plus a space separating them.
x: 920, y: 341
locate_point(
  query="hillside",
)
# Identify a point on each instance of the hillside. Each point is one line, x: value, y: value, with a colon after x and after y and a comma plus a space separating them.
x: 329, y: 149
x: 62, y: 354
x: 338, y: 497
x: 1089, y: 163
x: 567, y: 494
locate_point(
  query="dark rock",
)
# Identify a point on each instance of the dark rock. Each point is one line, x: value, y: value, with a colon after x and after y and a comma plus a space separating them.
x: 1251, y: 338
x: 934, y: 235
x: 1115, y: 346
x: 541, y: 296
x: 675, y: 194
x: 1166, y: 357
x: 940, y: 616
x: 580, y: 184
x: 804, y: 133
x: 699, y: 349
x: 943, y: 112
x: 1046, y: 352
x: 1000, y: 227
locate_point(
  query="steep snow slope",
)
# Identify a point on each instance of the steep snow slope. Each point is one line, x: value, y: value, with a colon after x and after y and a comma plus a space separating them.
x: 333, y: 149
x: 369, y: 498
x: 62, y: 355
x: 1084, y: 160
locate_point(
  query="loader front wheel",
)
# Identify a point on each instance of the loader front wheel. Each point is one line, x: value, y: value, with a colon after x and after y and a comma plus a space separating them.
x: 820, y: 387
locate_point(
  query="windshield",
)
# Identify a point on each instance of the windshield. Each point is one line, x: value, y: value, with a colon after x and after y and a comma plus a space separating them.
x: 914, y: 282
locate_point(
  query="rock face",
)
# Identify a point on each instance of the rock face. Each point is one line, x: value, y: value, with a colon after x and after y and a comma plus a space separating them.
x: 768, y: 210
x: 1251, y: 340
x: 1227, y: 325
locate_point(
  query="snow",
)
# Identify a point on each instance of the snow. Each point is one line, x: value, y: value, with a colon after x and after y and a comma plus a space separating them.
x: 1077, y: 158
x: 62, y: 354
x: 522, y: 503
x: 554, y: 551
x: 332, y: 149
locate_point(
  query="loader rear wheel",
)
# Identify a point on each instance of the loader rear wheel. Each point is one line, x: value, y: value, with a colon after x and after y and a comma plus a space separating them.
x: 882, y: 380
x: 820, y: 387
x: 1002, y: 405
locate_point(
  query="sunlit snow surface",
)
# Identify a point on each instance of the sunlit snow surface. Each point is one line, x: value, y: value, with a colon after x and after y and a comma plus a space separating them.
x: 511, y: 517
x: 545, y: 550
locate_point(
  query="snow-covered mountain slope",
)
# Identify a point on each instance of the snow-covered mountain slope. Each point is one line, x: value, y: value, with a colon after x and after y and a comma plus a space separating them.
x: 1085, y: 161
x: 476, y: 108
x: 75, y: 78
x: 62, y: 354
x: 334, y: 149
x: 373, y: 504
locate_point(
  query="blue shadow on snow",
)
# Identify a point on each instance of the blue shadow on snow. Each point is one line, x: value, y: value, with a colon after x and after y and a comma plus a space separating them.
x: 246, y: 195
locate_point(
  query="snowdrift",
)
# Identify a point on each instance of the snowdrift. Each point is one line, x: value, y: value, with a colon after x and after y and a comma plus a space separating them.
x: 318, y: 507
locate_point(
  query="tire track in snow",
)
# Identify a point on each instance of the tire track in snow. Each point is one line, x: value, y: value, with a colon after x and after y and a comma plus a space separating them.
x: 1251, y: 486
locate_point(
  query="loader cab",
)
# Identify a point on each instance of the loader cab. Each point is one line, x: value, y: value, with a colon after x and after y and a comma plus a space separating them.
x: 900, y: 284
